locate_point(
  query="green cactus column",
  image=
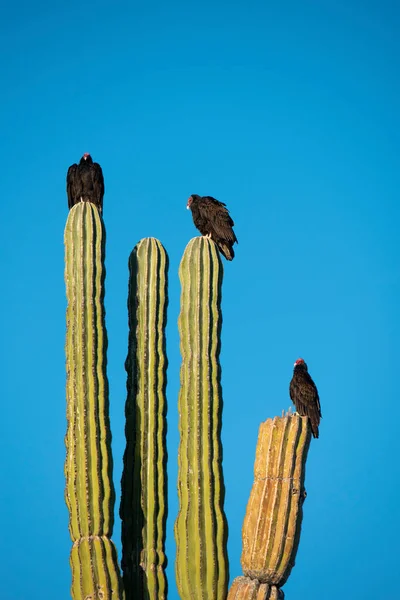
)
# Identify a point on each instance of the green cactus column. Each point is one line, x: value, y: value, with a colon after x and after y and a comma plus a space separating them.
x: 89, y: 489
x: 271, y: 527
x: 200, y: 529
x: 144, y: 499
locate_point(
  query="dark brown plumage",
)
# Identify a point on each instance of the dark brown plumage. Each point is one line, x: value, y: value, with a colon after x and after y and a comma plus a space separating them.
x: 304, y: 395
x: 212, y: 219
x: 85, y: 183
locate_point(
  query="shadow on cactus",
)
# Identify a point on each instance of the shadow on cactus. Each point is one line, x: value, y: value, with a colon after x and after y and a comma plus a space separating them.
x: 143, y: 507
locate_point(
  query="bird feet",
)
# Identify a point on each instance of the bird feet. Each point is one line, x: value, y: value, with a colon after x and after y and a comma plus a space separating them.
x: 290, y: 413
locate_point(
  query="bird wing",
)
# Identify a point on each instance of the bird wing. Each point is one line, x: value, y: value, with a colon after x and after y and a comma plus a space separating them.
x: 304, y: 395
x: 313, y: 392
x: 219, y: 218
x: 98, y: 183
x: 71, y: 184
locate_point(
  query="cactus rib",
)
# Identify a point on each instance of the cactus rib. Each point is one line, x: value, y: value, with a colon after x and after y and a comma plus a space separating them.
x: 89, y: 491
x: 200, y: 528
x: 143, y: 506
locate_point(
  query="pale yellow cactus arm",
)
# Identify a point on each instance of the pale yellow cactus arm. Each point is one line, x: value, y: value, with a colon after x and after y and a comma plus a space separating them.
x: 271, y: 527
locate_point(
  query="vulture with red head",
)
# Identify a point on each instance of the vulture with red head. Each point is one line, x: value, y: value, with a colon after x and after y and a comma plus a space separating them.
x: 85, y: 183
x: 304, y: 395
x: 212, y: 219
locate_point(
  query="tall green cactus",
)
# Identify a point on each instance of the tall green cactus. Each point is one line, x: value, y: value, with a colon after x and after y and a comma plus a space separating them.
x: 144, y: 502
x: 200, y: 528
x: 89, y: 489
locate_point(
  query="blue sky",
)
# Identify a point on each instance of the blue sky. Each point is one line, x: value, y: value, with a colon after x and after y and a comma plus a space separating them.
x: 288, y: 112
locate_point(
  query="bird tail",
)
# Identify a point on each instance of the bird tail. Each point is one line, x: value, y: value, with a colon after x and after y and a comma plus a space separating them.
x: 226, y: 250
x: 314, y: 428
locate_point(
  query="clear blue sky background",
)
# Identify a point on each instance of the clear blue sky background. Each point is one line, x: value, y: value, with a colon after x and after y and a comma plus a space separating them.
x: 288, y: 112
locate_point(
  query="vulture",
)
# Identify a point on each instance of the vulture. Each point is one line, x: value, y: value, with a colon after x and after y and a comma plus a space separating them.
x: 85, y: 183
x: 304, y: 395
x: 212, y: 219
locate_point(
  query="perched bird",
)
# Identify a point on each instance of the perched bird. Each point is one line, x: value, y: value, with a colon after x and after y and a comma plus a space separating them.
x: 304, y: 395
x: 85, y: 183
x: 212, y: 219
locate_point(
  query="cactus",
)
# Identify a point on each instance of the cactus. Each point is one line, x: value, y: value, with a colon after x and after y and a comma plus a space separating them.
x: 89, y: 489
x: 144, y: 504
x: 271, y: 528
x: 244, y: 588
x: 200, y: 528
x: 272, y: 524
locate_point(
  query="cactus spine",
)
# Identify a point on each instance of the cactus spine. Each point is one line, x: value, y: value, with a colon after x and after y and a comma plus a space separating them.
x: 144, y: 505
x: 89, y: 489
x: 200, y: 529
x: 271, y: 527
